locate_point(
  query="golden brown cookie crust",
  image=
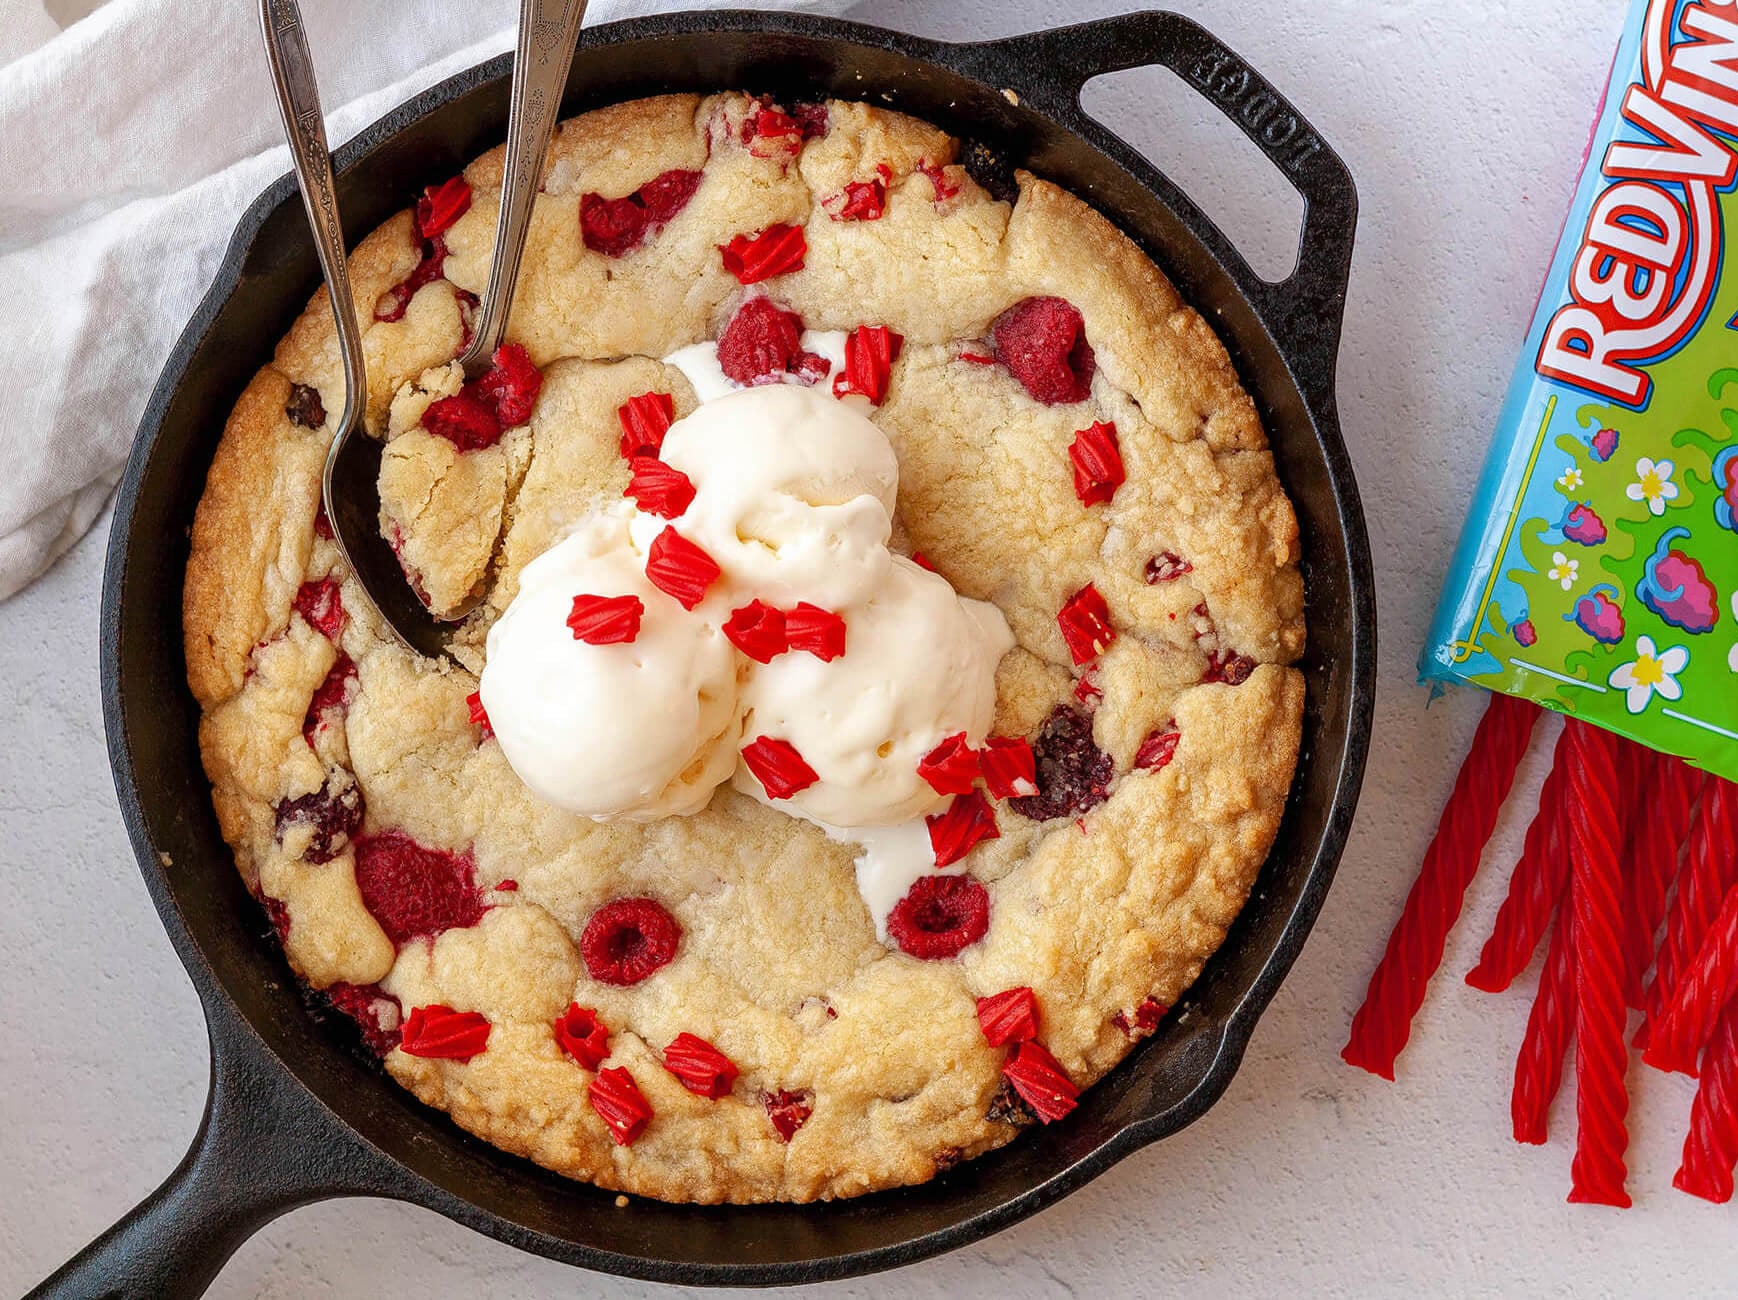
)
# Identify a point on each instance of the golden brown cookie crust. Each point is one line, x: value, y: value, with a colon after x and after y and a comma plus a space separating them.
x: 779, y: 965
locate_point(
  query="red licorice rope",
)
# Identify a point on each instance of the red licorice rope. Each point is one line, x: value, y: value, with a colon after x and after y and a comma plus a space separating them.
x: 1704, y: 989
x: 1596, y: 892
x: 1710, y: 869
x: 1671, y: 792
x: 1550, y: 1026
x: 1711, y: 1149
x: 1539, y: 880
x: 1384, y: 1022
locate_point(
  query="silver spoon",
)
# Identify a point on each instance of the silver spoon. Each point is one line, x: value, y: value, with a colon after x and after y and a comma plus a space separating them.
x: 350, y: 485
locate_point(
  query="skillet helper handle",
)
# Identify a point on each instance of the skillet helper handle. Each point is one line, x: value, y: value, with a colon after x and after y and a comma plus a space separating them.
x: 1305, y: 311
x: 264, y: 1147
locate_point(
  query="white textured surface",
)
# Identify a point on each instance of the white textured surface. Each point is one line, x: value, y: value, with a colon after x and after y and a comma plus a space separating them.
x: 1463, y: 124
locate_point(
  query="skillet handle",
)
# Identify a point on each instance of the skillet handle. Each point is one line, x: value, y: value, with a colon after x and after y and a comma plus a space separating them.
x: 1303, y: 313
x: 264, y: 1147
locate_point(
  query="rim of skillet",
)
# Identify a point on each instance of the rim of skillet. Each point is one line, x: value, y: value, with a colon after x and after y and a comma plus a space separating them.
x: 1221, y: 1039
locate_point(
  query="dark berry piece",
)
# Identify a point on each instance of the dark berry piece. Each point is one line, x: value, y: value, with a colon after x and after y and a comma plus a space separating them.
x: 947, y: 1158
x: 320, y: 603
x: 1073, y: 773
x: 940, y: 917
x: 333, y: 815
x: 1167, y: 566
x: 627, y: 939
x: 414, y: 891
x: 762, y: 342
x: 278, y: 915
x: 788, y: 1111
x: 1043, y: 343
x: 814, y: 120
x: 1009, y: 1107
x: 465, y: 420
x: 304, y: 407
x: 376, y: 1013
x: 332, y: 698
x: 615, y: 227
x: 510, y: 388
x: 1229, y: 667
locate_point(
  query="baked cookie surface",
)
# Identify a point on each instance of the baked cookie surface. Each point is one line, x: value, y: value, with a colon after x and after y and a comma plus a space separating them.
x: 421, y: 888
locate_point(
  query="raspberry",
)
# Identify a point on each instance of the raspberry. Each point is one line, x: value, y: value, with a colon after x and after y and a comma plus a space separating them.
x: 680, y: 569
x: 615, y: 227
x: 818, y: 631
x: 319, y: 602
x: 1043, y: 343
x: 1041, y: 1081
x: 304, y: 407
x: 440, y: 1033
x: 758, y: 630
x: 1167, y: 566
x: 441, y: 206
x: 870, y: 351
x: 645, y: 419
x: 781, y: 771
x: 968, y: 821
x: 951, y: 767
x: 416, y: 892
x: 627, y: 939
x: 332, y: 814
x: 699, y: 1066
x: 940, y: 917
x: 1158, y: 749
x: 1009, y: 768
x: 814, y: 119
x: 332, y: 697
x: 1073, y: 773
x: 1009, y: 1017
x: 510, y: 387
x: 323, y: 525
x: 1229, y: 667
x: 278, y: 915
x: 659, y: 489
x: 1097, y: 461
x: 395, y: 301
x: 583, y: 1036
x: 944, y: 186
x: 788, y: 1111
x: 777, y: 250
x: 1143, y: 1022
x: 1085, y: 625
x: 620, y: 1104
x: 479, y: 718
x: 464, y: 420
x: 606, y: 620
x: 761, y: 342
x: 376, y: 1013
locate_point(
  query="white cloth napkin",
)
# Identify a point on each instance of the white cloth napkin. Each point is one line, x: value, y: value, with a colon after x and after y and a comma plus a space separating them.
x: 130, y: 144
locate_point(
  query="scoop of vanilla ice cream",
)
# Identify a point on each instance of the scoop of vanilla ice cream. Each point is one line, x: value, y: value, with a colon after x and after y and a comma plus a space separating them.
x: 794, y: 494
x: 919, y: 666
x: 635, y: 731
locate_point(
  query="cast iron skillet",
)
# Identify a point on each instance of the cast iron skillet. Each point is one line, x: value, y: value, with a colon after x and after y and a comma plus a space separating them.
x: 295, y: 1113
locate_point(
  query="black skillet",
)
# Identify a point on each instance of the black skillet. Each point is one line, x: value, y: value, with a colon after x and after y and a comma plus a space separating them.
x: 296, y: 1114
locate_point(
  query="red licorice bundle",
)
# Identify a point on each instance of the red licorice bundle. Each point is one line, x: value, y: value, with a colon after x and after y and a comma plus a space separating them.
x: 1534, y: 889
x: 1384, y: 1022
x: 1710, y: 869
x: 1711, y: 1148
x: 1550, y: 1027
x: 1596, y: 892
x: 1671, y: 790
x: 1707, y: 986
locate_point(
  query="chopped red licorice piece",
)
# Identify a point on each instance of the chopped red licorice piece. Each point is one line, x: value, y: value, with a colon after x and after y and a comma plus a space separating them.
x: 1711, y: 1148
x: 951, y: 767
x: 774, y: 125
x: 922, y: 561
x: 940, y: 917
x: 679, y: 568
x: 758, y: 630
x: 620, y: 1104
x: 1167, y: 566
x: 479, y: 715
x: 441, y: 206
x: 1145, y: 1020
x: 870, y: 351
x: 645, y: 419
x: 778, y: 767
x: 1085, y: 624
x: 774, y: 251
x: 659, y: 489
x: 1596, y: 890
x: 968, y: 821
x: 322, y: 606
x: 615, y: 227
x: 1384, y: 1022
x: 1009, y: 767
x: 583, y: 1036
x: 1040, y: 1079
x: 945, y: 188
x: 1704, y: 988
x: 606, y: 620
x: 788, y: 1111
x: 628, y: 939
x: 699, y: 1066
x: 1158, y: 749
x: 510, y: 386
x: 464, y: 420
x: 1545, y: 1047
x: 862, y: 200
x: 1538, y: 883
x: 1010, y: 1017
x: 440, y: 1033
x: 1087, y: 691
x: 1710, y: 869
x: 1672, y: 789
x: 1097, y: 461
x: 816, y: 631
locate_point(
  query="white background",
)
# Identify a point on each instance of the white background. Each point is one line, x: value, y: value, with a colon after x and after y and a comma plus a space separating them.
x: 1464, y: 125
